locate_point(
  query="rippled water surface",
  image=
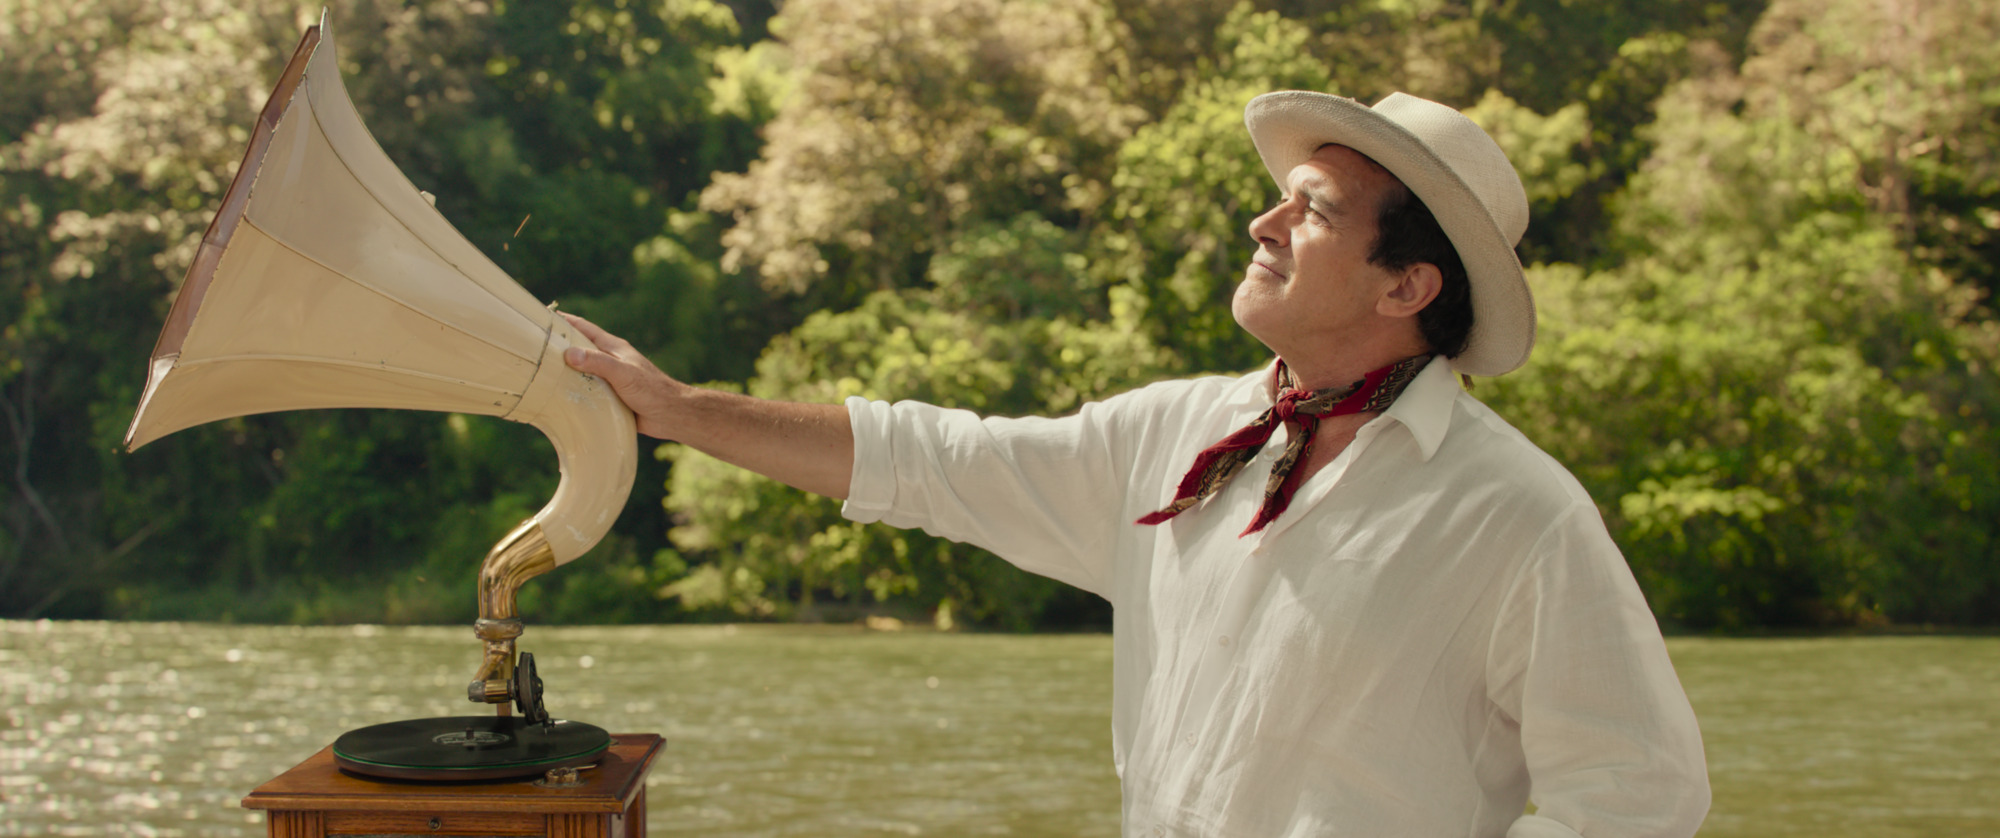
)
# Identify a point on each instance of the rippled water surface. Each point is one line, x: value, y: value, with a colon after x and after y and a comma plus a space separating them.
x: 1871, y: 737
x: 160, y: 729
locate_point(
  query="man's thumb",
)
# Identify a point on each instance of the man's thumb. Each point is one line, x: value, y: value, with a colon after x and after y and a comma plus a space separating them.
x: 580, y: 360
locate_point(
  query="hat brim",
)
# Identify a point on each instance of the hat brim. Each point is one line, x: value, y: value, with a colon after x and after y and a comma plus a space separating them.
x: 1288, y: 126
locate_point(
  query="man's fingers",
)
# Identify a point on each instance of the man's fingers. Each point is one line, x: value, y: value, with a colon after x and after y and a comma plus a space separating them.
x: 627, y: 379
x: 606, y: 356
x: 589, y: 329
x: 601, y: 339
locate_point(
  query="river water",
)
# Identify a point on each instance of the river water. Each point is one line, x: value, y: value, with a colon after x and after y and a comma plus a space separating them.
x: 160, y: 729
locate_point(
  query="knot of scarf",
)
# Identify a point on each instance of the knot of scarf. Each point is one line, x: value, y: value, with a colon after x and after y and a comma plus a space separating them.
x: 1288, y: 405
x: 1216, y: 465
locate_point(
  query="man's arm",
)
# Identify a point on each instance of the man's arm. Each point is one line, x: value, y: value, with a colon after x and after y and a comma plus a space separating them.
x: 1612, y: 746
x: 805, y: 446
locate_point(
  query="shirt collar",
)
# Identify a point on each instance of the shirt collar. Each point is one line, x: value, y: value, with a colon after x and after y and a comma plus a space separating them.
x: 1425, y: 405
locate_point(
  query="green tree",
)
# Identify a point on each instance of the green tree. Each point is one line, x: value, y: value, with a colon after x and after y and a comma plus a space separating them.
x: 111, y: 170
x: 1186, y: 186
x: 1788, y: 411
x: 107, y: 171
x: 1764, y: 254
x: 1613, y: 59
x: 912, y: 122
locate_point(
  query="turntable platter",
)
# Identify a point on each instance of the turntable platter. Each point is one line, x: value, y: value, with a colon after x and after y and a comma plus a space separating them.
x: 467, y: 747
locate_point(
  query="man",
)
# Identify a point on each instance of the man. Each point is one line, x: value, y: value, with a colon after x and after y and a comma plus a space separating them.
x: 1348, y: 598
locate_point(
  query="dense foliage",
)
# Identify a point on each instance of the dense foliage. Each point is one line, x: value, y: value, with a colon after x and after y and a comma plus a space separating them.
x: 1765, y: 240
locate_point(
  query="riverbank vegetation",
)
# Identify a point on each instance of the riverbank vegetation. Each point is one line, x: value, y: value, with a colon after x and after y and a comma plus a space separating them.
x: 1764, y: 246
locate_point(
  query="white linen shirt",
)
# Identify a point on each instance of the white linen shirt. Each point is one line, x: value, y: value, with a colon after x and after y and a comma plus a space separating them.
x: 1437, y: 629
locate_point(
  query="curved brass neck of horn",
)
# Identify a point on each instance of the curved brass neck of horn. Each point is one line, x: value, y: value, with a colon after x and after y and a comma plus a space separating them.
x: 524, y: 554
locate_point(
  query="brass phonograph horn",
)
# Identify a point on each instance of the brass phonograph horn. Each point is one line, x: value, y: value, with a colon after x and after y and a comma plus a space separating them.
x: 328, y: 280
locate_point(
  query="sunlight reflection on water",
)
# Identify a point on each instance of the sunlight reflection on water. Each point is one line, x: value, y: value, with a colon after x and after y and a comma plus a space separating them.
x: 160, y: 729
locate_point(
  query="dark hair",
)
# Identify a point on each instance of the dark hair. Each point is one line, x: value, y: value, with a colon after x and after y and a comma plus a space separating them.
x: 1407, y: 234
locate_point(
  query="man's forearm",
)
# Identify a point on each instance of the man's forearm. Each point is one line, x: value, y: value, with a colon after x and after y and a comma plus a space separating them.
x: 806, y: 446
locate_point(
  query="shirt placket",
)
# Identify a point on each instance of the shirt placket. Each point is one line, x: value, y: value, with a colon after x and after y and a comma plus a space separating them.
x: 1222, y: 648
x: 1247, y: 579
x: 1250, y: 580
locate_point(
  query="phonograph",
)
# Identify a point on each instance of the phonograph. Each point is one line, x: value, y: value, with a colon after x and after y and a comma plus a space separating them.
x: 327, y: 280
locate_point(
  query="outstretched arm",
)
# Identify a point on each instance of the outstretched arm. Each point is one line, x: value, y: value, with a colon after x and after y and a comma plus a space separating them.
x: 805, y: 446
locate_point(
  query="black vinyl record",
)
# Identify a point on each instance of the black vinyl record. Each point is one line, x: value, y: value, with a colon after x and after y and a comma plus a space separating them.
x: 467, y: 747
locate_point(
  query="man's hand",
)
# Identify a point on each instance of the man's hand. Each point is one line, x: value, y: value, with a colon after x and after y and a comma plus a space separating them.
x: 806, y: 446
x: 649, y: 392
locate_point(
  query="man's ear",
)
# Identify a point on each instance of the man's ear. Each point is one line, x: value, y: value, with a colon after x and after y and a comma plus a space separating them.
x: 1415, y: 288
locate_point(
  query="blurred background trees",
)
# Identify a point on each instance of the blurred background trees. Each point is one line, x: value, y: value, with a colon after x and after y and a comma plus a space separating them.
x: 1764, y: 246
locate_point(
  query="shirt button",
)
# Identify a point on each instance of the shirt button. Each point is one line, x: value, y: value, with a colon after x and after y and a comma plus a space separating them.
x: 1190, y: 739
x: 1223, y: 640
x: 1159, y: 831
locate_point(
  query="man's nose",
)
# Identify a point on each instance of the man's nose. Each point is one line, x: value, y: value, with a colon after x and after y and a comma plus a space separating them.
x: 1267, y: 228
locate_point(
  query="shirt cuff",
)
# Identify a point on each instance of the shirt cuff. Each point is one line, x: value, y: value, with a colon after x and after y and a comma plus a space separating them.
x: 871, y: 488
x: 1536, y: 826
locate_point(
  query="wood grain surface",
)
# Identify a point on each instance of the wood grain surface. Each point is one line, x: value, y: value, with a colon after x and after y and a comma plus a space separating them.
x: 316, y: 798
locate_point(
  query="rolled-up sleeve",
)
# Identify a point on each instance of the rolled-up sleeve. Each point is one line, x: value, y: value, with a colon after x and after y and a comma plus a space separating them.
x: 871, y: 490
x: 1047, y: 495
x: 1611, y: 743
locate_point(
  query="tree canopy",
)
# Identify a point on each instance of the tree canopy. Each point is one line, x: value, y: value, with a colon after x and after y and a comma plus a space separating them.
x: 1764, y: 249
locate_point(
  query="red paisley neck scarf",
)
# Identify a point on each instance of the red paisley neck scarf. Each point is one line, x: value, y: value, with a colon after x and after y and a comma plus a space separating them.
x: 1214, y: 467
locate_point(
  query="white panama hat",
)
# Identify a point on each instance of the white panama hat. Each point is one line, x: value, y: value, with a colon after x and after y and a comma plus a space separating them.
x: 1454, y: 168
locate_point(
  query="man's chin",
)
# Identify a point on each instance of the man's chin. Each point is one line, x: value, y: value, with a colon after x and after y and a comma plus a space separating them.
x: 1252, y: 314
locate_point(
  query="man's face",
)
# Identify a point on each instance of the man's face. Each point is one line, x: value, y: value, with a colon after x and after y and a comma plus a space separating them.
x: 1310, y: 288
